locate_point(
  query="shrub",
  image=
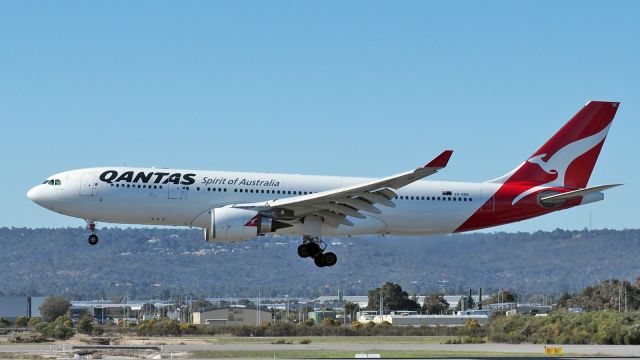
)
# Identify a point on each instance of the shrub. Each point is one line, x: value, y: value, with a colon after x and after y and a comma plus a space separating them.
x: 22, y: 321
x: 188, y: 329
x: 59, y: 329
x: 85, y: 325
x: 4, y: 322
x: 33, y: 321
x: 164, y: 327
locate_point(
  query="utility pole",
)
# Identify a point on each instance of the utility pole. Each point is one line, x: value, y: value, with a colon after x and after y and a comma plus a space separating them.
x: 258, y: 313
x: 619, y: 297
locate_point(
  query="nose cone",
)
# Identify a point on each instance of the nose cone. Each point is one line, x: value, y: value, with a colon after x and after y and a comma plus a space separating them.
x: 35, y: 195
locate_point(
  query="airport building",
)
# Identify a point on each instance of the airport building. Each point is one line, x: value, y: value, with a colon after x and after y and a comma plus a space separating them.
x: 412, y: 318
x: 231, y: 316
x: 320, y: 315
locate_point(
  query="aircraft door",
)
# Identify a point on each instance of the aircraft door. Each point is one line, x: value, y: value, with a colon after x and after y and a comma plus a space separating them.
x: 88, y: 184
x: 175, y: 190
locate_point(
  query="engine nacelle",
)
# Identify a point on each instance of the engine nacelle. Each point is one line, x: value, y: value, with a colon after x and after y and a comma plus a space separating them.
x: 231, y: 224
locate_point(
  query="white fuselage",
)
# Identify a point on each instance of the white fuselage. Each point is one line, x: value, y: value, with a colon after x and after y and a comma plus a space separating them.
x: 422, y: 208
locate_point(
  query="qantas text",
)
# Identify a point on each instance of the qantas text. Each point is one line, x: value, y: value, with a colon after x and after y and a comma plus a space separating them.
x: 111, y: 176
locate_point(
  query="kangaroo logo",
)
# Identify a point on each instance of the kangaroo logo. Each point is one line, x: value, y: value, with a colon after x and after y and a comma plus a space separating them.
x: 559, y: 162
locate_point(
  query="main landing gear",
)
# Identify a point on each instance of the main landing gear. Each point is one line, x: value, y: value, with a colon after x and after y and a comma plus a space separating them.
x: 93, y: 238
x: 314, y: 248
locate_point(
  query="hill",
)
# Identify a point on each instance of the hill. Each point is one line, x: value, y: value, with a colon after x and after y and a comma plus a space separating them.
x: 155, y: 262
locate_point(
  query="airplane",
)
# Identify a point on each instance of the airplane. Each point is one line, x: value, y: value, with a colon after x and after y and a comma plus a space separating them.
x: 236, y: 206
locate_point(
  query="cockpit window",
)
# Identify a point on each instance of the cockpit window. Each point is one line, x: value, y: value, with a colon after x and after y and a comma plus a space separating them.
x: 46, y: 181
x: 50, y: 182
x: 58, y: 182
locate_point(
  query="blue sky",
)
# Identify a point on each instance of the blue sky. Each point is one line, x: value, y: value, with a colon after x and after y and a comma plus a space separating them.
x: 325, y: 87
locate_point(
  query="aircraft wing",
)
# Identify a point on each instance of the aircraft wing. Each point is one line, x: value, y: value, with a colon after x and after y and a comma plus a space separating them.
x: 334, y: 205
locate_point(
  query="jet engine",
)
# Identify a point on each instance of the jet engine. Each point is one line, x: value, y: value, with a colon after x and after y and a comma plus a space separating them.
x: 232, y: 224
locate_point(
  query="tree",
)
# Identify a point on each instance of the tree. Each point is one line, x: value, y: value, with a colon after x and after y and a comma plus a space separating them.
x: 85, y: 325
x: 466, y: 302
x: 435, y: 304
x: 351, y: 309
x: 393, y: 298
x: 53, y: 307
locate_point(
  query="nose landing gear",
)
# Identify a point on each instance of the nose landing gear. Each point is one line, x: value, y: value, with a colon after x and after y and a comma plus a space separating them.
x: 314, y: 248
x: 93, y: 238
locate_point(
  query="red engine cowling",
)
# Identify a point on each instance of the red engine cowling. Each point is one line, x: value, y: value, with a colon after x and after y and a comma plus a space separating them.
x: 231, y: 224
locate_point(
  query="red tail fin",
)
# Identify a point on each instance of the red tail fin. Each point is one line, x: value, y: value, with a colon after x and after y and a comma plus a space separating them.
x: 568, y: 158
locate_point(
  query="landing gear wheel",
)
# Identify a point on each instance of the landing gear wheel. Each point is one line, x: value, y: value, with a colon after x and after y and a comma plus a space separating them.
x: 325, y: 259
x: 309, y: 249
x: 330, y: 259
x: 303, y: 251
x: 319, y: 260
x: 93, y: 239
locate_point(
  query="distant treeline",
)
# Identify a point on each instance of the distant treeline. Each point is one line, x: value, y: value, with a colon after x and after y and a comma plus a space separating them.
x: 167, y: 262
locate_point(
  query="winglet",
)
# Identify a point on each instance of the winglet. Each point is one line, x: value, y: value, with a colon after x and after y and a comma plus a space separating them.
x: 441, y: 160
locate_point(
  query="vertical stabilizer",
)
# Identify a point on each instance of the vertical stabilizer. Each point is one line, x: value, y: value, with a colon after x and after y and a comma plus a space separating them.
x: 568, y: 157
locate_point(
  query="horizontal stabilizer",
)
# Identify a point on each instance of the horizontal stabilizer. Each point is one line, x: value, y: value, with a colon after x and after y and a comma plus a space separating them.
x: 559, y: 198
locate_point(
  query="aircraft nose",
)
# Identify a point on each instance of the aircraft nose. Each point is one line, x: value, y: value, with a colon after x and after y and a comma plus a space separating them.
x: 35, y: 195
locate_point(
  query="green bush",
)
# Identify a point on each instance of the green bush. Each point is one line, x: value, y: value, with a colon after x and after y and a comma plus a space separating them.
x: 85, y: 325
x: 603, y: 327
x: 59, y: 329
x: 4, y: 322
x: 164, y: 327
x: 22, y: 321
